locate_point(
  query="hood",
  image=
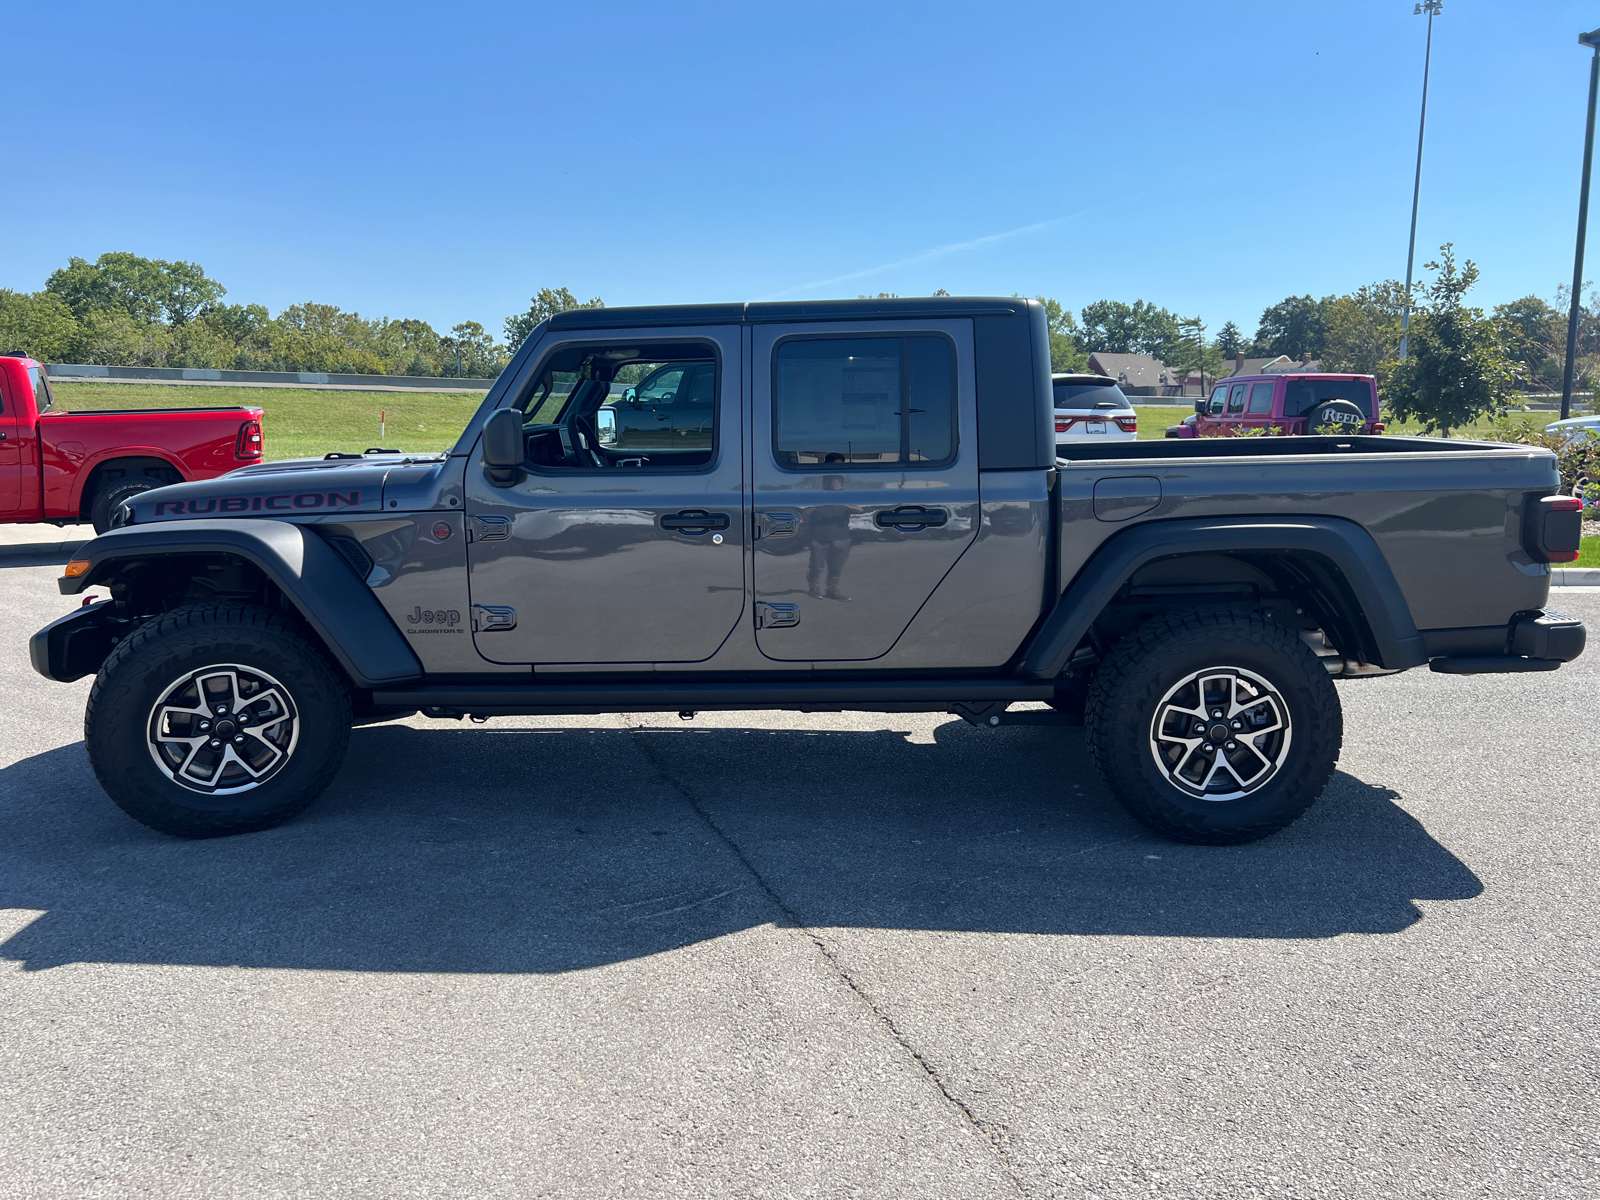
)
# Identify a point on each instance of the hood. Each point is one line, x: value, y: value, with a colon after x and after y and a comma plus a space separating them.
x: 308, y: 487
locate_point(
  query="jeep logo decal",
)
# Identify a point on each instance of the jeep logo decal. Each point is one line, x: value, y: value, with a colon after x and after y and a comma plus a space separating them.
x: 283, y: 502
x: 434, y: 616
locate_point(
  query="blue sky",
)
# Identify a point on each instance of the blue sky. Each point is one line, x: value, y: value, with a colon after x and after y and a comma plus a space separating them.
x: 444, y: 161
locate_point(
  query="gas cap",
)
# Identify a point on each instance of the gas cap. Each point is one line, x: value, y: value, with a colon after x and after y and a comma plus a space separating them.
x: 1121, y: 497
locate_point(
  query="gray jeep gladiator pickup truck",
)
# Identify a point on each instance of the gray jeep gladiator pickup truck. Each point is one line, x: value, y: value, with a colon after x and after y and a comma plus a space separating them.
x: 874, y: 518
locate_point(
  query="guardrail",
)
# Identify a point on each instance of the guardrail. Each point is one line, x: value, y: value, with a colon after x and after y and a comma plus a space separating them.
x: 91, y: 372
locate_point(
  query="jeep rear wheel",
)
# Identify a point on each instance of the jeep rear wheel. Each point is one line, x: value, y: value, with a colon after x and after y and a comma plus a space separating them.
x: 215, y: 720
x: 1214, y: 727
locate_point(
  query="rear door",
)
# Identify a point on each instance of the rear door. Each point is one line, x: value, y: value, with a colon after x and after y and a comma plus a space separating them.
x: 1258, y: 405
x: 865, y: 480
x: 11, y: 440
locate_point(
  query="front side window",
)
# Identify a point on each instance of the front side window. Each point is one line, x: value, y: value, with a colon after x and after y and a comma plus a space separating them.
x: 608, y: 407
x: 1236, y: 398
x: 874, y: 401
x: 1219, y: 397
x: 1261, y: 398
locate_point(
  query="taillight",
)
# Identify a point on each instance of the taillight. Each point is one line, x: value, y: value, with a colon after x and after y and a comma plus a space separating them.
x: 1063, y: 424
x: 1128, y: 424
x: 249, y: 444
x: 1553, y: 528
x: 1378, y: 426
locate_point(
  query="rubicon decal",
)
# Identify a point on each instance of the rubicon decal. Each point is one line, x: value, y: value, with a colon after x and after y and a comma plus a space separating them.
x: 282, y: 502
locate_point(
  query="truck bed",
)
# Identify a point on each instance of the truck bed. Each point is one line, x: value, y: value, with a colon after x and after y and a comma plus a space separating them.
x: 1448, y: 523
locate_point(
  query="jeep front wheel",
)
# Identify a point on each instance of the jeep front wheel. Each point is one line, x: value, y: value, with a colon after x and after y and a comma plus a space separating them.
x: 1214, y: 727
x: 216, y: 720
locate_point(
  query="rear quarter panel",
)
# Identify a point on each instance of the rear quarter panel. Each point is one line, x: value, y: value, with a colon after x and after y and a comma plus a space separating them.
x: 1448, y: 523
x: 198, y: 445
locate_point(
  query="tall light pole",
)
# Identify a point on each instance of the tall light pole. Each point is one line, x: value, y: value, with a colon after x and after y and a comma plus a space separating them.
x: 1592, y: 40
x: 1433, y: 8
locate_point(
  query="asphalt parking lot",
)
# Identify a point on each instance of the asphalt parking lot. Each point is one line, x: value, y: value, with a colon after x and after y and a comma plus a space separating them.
x: 780, y: 955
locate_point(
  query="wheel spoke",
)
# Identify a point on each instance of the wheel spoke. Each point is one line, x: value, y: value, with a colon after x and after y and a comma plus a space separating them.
x: 1192, y: 750
x: 198, y: 758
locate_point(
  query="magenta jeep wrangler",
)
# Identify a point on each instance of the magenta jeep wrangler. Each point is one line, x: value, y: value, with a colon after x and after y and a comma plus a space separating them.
x: 1285, y: 404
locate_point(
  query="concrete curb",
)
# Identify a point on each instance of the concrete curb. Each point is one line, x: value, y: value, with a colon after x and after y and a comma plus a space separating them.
x: 1575, y: 577
x: 38, y: 553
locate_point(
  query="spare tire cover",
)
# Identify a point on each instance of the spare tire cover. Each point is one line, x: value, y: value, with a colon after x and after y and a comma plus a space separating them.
x: 1343, y: 415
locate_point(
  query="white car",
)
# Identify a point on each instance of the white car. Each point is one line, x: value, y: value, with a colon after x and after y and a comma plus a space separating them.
x: 1092, y: 408
x: 1575, y: 425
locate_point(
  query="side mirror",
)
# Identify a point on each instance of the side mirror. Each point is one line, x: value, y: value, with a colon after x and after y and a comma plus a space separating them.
x: 503, y: 451
x: 1200, y: 407
x: 606, y: 425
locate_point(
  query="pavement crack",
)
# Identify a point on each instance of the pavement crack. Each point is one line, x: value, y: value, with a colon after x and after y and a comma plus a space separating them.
x: 992, y: 1135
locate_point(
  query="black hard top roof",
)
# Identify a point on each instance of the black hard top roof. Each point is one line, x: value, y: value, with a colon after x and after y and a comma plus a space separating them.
x: 786, y: 310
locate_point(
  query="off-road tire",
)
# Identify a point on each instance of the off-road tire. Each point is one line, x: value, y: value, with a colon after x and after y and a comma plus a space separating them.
x: 1138, y: 674
x: 108, y: 497
x: 1344, y: 417
x: 143, y: 670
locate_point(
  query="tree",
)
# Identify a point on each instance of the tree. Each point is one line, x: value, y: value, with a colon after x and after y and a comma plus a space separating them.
x: 1065, y: 352
x: 1230, y: 340
x: 1295, y: 326
x: 481, y: 358
x: 545, y: 305
x: 1535, y: 336
x: 1456, y: 369
x: 147, y: 289
x: 1361, y: 331
x: 40, y: 325
x: 1137, y: 328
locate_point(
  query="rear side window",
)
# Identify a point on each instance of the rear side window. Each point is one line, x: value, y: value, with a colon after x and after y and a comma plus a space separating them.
x: 1300, y: 396
x: 1261, y: 398
x: 41, y: 389
x: 873, y: 401
x: 1089, y: 396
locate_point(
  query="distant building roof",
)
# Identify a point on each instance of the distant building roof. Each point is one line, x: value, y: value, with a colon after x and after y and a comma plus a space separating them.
x: 1280, y: 364
x: 1132, y: 370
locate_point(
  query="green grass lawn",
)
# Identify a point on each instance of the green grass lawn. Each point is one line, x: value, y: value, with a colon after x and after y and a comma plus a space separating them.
x: 302, y: 422
x: 1588, y: 553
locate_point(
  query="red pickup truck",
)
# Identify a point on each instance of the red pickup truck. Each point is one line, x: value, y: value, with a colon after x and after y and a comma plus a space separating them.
x: 58, y: 466
x: 1285, y: 404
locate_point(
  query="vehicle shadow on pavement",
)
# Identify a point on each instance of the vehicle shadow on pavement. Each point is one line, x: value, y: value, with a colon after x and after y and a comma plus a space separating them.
x: 462, y: 849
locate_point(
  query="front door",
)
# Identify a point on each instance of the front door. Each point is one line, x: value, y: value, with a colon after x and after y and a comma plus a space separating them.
x: 865, y: 476
x: 613, y: 553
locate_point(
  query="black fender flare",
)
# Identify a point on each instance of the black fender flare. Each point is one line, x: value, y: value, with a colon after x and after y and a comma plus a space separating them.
x: 339, y: 607
x: 1332, y: 544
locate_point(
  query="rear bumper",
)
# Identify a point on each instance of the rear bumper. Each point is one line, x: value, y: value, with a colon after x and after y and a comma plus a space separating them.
x: 1539, y: 641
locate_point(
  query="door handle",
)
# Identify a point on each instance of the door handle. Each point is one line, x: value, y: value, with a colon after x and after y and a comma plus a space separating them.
x: 910, y: 517
x: 695, y: 521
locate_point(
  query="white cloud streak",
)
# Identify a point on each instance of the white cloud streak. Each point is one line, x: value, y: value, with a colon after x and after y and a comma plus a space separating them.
x: 923, y: 256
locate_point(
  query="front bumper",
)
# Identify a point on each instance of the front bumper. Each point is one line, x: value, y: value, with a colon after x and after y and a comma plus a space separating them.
x: 1537, y: 641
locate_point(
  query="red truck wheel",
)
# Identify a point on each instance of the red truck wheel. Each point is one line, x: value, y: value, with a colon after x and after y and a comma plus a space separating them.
x: 105, y: 504
x: 215, y: 720
x: 1214, y: 727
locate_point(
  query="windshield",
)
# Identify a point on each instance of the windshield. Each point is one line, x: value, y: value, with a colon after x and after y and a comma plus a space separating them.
x: 1300, y: 396
x: 1090, y: 395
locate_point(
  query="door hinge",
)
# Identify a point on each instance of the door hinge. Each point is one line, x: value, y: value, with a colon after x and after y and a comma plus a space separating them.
x: 776, y: 524
x: 488, y: 529
x: 776, y: 616
x: 493, y: 618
